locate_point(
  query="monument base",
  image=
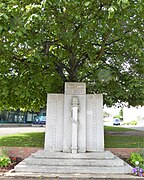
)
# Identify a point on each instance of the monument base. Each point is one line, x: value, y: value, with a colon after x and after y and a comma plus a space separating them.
x: 68, y: 163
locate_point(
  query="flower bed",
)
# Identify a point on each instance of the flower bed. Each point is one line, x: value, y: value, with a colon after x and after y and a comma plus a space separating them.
x: 13, y: 162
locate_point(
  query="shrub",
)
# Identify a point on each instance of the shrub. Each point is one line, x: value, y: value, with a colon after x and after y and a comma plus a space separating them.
x: 4, y: 161
x: 3, y: 152
x: 136, y: 157
x: 126, y: 123
x: 134, y: 122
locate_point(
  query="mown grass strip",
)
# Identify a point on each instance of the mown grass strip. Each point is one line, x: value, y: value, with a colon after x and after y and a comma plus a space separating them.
x: 23, y: 140
x: 115, y: 128
x: 124, y: 141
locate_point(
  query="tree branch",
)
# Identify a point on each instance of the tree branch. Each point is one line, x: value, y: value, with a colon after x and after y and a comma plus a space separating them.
x: 59, y: 69
x: 46, y: 46
x: 103, y: 46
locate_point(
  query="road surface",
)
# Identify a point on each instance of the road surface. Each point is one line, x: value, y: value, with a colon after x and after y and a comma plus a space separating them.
x: 16, y: 130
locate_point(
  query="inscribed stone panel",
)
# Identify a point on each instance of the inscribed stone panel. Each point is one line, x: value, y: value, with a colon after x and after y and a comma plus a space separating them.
x: 74, y: 88
x: 98, y: 108
x: 67, y: 135
x: 54, y: 123
x: 82, y: 124
x: 95, y: 133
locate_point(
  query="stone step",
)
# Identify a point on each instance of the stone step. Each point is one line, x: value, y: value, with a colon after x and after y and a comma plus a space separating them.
x: 61, y: 155
x: 68, y: 163
x: 75, y: 162
x: 22, y: 167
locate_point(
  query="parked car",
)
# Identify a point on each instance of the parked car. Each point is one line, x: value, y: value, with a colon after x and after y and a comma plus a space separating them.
x: 116, y: 121
x: 40, y: 120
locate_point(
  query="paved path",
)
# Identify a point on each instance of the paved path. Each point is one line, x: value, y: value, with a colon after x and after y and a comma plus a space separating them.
x: 139, y: 128
x: 125, y: 133
x: 69, y: 176
x: 16, y: 130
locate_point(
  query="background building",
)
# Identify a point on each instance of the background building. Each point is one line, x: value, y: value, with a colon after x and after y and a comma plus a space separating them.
x: 19, y: 117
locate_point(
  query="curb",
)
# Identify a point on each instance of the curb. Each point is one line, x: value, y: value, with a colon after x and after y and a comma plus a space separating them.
x: 69, y: 176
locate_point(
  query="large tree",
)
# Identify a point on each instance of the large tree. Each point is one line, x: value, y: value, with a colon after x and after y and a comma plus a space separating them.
x: 46, y: 43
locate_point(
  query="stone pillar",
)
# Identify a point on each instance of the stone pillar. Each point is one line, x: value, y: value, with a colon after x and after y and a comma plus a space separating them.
x: 75, y: 109
x: 78, y: 90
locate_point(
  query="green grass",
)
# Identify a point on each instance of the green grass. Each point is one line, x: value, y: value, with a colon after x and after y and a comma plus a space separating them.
x: 23, y: 140
x: 115, y: 128
x: 124, y: 141
x: 37, y: 139
x: 116, y: 141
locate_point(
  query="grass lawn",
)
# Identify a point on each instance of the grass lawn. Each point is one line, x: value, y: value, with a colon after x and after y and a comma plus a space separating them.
x: 124, y: 141
x: 118, y: 141
x: 116, y: 128
x: 33, y: 139
x: 37, y: 139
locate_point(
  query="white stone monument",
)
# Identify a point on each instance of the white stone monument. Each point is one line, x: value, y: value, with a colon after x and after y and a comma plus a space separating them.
x: 74, y: 138
x: 74, y: 121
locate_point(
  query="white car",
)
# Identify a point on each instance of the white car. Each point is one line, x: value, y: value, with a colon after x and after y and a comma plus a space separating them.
x: 116, y: 121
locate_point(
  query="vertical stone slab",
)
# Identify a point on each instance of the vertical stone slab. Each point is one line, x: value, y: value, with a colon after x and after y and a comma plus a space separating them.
x: 67, y: 129
x: 54, y: 123
x: 82, y: 124
x: 78, y: 90
x: 95, y: 130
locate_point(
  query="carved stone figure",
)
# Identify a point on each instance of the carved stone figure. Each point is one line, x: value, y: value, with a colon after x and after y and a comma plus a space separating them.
x: 75, y: 110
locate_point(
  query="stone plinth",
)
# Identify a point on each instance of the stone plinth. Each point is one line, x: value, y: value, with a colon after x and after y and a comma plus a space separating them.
x: 68, y: 163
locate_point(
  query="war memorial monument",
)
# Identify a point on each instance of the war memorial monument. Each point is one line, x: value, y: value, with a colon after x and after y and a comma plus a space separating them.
x: 74, y: 137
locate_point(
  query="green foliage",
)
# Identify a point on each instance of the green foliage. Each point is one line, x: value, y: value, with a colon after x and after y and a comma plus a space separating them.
x: 136, y: 157
x: 116, y: 129
x: 106, y: 114
x: 4, y: 159
x: 117, y: 116
x: 123, y: 141
x: 4, y: 152
x: 23, y: 140
x: 134, y: 122
x: 46, y: 43
x: 120, y: 114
